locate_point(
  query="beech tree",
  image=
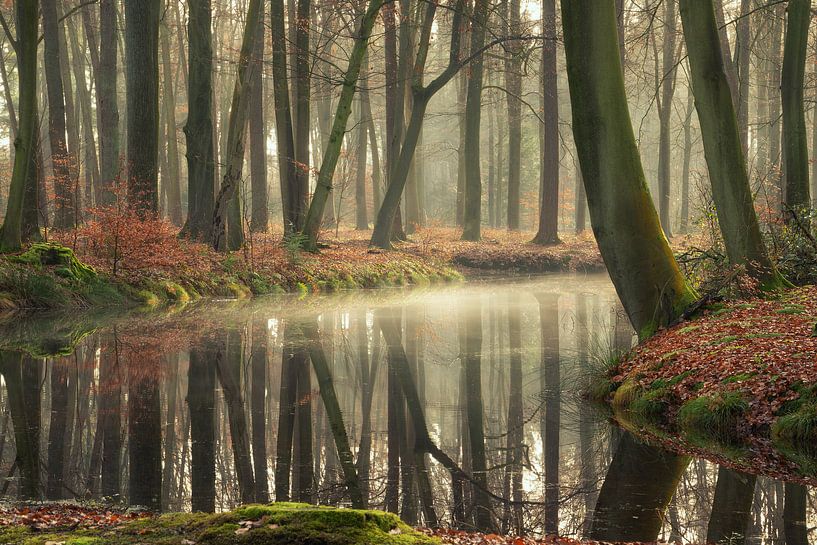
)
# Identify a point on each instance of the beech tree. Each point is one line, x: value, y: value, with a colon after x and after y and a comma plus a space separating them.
x: 635, y: 250
x: 721, y: 137
x: 142, y: 83
x: 27, y: 15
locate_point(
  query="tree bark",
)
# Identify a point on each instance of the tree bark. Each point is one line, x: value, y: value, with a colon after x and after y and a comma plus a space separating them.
x: 27, y: 36
x: 668, y: 71
x: 548, y: 232
x: 642, y: 268
x: 795, y: 136
x: 724, y: 157
x: 331, y: 155
x: 228, y: 228
x: 472, y: 215
x: 199, y: 127
x: 142, y: 81
x: 731, y: 507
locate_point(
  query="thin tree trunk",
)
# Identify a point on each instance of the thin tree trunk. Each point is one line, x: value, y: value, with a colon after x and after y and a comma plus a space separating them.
x: 548, y: 232
x: 171, y: 183
x: 107, y: 109
x: 258, y: 137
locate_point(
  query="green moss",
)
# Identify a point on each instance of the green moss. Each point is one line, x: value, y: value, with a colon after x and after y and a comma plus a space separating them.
x: 174, y: 292
x: 274, y: 524
x: 791, y: 309
x: 798, y: 426
x: 717, y: 415
x: 651, y: 405
x: 689, y: 329
x: 62, y: 259
x: 626, y: 394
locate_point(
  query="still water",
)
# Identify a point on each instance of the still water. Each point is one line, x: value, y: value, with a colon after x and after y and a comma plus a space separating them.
x: 453, y: 406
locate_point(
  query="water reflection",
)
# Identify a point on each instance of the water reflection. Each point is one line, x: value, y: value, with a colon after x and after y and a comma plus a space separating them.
x: 456, y: 407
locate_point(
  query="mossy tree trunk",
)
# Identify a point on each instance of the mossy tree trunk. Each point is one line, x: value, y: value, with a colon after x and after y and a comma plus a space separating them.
x: 635, y: 250
x: 142, y: 64
x: 27, y: 14
x: 722, y: 145
x: 323, y: 189
x: 795, y: 136
x: 228, y: 228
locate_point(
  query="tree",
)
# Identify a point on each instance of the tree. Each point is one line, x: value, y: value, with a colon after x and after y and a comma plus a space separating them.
x: 199, y: 127
x: 635, y: 250
x: 107, y: 108
x: 548, y: 232
x: 228, y: 232
x: 258, y: 138
x: 421, y: 95
x: 142, y: 83
x: 361, y: 209
x: 795, y: 136
x: 294, y: 183
x: 722, y: 146
x: 668, y: 72
x: 513, y: 78
x: 472, y: 213
x: 331, y: 155
x: 26, y: 47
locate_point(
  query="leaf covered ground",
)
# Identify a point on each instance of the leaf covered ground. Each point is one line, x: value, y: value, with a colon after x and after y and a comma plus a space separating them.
x: 744, y: 374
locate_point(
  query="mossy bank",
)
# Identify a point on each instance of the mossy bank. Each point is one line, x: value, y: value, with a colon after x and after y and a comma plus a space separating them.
x: 743, y: 372
x: 50, y: 276
x: 273, y: 524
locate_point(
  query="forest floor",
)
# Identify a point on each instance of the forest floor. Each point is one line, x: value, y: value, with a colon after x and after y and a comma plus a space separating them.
x: 149, y: 266
x: 273, y: 524
x: 742, y: 377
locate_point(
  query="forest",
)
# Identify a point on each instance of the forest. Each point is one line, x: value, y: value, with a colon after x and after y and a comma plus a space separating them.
x: 408, y: 272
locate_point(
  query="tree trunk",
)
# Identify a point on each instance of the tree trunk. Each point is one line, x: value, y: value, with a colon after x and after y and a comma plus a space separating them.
x: 344, y: 109
x: 795, y: 137
x: 668, y: 71
x: 472, y: 215
x: 228, y: 228
x: 172, y: 182
x: 107, y: 109
x: 258, y: 137
x: 27, y: 36
x: 199, y: 127
x: 361, y: 207
x: 142, y: 65
x: 258, y: 410
x: 548, y: 232
x: 727, y: 165
x: 513, y: 79
x: 624, y: 220
x: 291, y: 190
x: 795, y: 528
x: 65, y: 205
x: 144, y: 435
x: 685, y: 174
x: 550, y: 382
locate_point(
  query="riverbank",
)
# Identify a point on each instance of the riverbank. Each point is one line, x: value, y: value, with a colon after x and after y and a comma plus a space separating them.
x: 157, y: 268
x: 741, y: 376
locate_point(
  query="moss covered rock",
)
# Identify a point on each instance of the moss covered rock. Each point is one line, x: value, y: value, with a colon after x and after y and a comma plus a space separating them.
x: 273, y: 524
x: 60, y: 258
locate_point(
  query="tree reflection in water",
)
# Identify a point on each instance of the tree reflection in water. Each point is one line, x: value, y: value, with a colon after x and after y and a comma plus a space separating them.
x: 453, y: 407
